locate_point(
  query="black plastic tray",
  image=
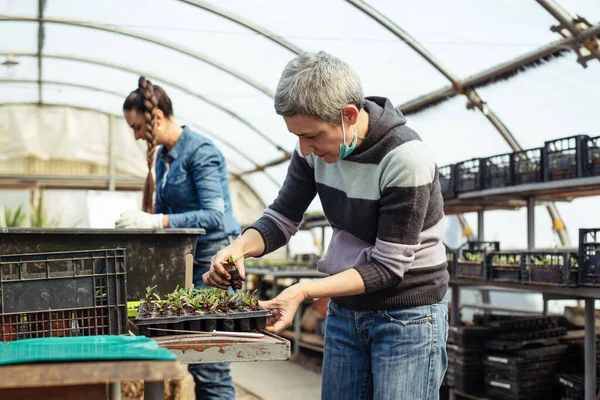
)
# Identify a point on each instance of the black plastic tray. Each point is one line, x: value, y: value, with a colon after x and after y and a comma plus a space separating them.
x: 525, y: 324
x: 523, y: 372
x: 529, y: 355
x: 230, y: 322
x: 510, y: 345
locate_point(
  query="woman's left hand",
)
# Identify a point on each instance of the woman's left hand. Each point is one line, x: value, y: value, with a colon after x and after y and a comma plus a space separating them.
x: 139, y: 219
x: 284, y: 306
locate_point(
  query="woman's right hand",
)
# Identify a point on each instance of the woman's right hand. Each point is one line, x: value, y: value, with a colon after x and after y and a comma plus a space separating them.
x: 217, y: 276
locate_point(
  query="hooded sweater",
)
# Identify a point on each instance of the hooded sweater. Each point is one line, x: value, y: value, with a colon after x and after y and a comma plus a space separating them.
x: 385, y: 207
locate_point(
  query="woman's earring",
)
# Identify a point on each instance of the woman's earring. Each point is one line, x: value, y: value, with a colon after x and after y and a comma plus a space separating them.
x: 159, y: 127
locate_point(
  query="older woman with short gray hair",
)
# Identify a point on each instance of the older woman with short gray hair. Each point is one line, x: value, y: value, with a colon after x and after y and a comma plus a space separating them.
x: 386, y: 326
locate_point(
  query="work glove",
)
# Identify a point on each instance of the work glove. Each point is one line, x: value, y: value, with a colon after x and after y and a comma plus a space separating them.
x: 139, y: 219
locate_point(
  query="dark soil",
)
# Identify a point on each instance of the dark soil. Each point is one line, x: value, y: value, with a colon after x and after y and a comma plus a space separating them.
x: 235, y: 281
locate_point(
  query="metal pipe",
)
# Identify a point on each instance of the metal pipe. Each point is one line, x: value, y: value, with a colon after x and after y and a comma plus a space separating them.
x: 245, y: 23
x: 530, y: 223
x: 480, y: 226
x: 111, y: 153
x: 146, y: 38
x: 590, y: 348
x: 406, y: 38
x: 567, y: 22
x: 467, y: 231
x: 41, y: 5
x: 154, y: 77
x: 501, y: 69
x: 455, y: 306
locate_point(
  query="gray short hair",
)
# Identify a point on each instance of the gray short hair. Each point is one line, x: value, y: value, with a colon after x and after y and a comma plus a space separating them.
x: 319, y: 85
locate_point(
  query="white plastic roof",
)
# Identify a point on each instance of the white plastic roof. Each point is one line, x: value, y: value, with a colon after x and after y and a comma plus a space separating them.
x: 220, y: 62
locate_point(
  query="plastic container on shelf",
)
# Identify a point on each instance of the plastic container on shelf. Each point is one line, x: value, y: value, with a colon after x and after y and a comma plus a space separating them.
x: 447, y: 177
x: 469, y: 175
x: 564, y: 158
x: 589, y: 257
x: 528, y: 166
x: 559, y: 268
x: 497, y: 171
x: 471, y: 260
x: 592, y: 161
x: 504, y: 266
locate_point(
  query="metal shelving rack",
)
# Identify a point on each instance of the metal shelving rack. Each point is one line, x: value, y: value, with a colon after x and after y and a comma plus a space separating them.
x: 515, y: 197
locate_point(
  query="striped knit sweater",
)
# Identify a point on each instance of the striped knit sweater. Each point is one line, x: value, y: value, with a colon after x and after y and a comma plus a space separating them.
x: 386, y: 210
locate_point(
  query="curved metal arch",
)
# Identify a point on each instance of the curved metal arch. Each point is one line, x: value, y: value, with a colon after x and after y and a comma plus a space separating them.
x: 154, y: 77
x: 236, y: 176
x: 113, y: 93
x: 245, y: 23
x: 471, y: 94
x: 136, y: 35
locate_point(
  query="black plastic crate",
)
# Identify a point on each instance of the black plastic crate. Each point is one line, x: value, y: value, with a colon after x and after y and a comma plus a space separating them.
x: 564, y: 158
x: 446, y: 176
x: 550, y: 268
x: 77, y: 293
x: 589, y: 256
x: 592, y: 161
x: 228, y: 322
x: 522, y: 372
x: 504, y: 266
x: 528, y: 166
x: 498, y: 171
x: 471, y: 260
x: 469, y: 175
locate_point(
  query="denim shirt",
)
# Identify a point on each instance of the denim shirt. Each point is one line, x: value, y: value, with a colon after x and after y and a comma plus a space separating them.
x: 192, y: 187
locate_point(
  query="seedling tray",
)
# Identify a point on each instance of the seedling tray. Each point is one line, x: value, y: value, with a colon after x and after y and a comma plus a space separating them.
x: 529, y: 355
x: 230, y: 322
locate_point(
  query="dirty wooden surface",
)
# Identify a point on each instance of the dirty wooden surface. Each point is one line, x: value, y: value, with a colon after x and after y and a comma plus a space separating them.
x: 87, y: 373
x: 198, y: 349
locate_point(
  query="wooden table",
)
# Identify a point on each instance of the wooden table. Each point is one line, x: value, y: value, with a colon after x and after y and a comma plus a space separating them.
x: 89, y: 378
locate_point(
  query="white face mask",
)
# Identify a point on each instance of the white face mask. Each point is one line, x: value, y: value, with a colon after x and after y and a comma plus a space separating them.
x: 346, y: 150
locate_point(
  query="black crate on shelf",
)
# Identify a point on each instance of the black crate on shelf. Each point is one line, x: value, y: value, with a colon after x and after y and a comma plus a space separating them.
x: 504, y: 266
x: 528, y: 166
x: 76, y: 293
x: 498, y: 171
x: 589, y: 256
x: 471, y: 260
x: 564, y: 158
x: 447, y: 181
x: 592, y: 161
x: 469, y: 175
x: 559, y: 268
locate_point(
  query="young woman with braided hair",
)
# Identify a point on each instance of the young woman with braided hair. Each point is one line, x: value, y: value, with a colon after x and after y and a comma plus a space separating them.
x: 191, y: 192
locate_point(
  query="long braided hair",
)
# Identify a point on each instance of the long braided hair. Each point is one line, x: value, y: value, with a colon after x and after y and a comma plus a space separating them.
x: 147, y: 99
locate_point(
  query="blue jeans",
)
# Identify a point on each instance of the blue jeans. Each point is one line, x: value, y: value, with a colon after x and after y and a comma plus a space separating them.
x: 213, y: 381
x: 385, y: 355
